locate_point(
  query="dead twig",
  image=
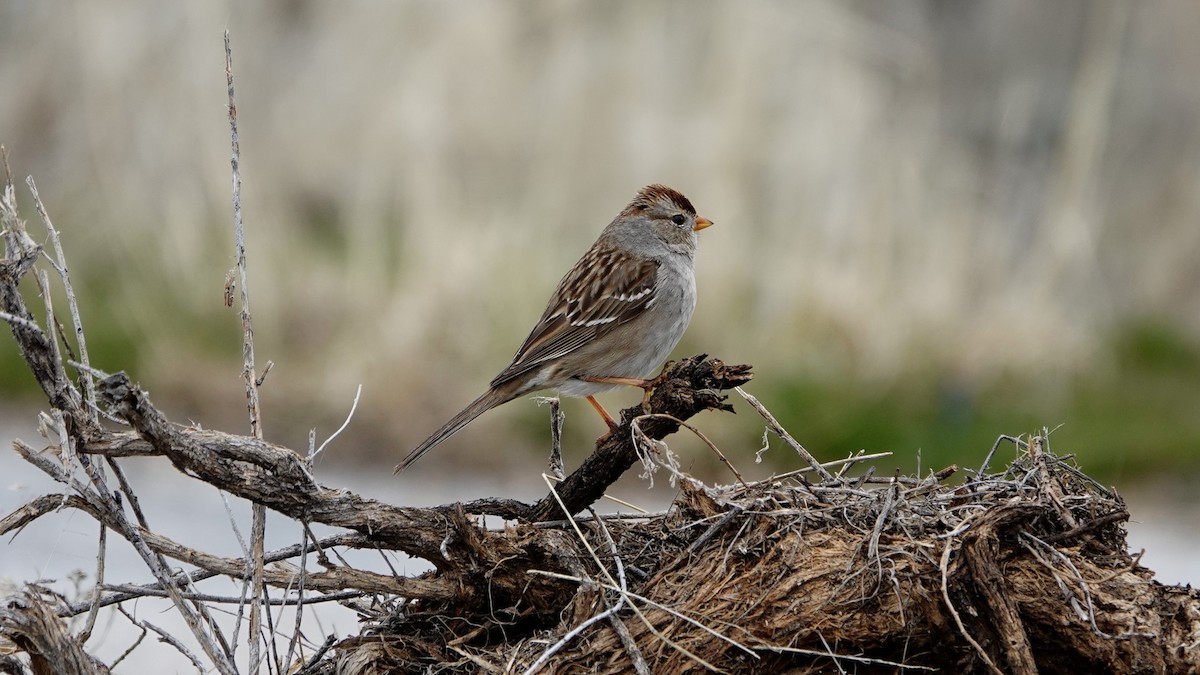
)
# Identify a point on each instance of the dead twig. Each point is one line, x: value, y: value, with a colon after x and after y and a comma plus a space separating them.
x: 254, y: 571
x: 166, y: 638
x: 783, y: 433
x: 555, y: 463
x: 60, y: 265
x: 711, y: 446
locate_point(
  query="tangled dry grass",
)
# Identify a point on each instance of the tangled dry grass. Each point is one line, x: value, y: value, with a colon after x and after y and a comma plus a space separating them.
x: 1021, y: 570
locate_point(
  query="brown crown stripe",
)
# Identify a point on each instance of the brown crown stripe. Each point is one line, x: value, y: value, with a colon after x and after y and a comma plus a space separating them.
x: 656, y: 194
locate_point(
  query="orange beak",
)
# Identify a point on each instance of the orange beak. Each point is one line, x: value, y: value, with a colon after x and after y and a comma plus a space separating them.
x: 701, y: 223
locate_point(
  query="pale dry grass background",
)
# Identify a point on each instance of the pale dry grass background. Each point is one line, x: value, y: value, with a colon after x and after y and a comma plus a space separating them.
x: 966, y: 187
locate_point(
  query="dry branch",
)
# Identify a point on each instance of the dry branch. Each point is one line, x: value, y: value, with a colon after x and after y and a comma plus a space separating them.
x: 688, y: 387
x: 30, y: 622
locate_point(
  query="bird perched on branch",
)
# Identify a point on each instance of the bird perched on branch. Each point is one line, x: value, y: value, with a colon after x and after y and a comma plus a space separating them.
x: 612, y: 319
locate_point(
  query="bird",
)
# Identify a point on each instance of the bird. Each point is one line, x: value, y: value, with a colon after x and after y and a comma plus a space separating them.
x: 612, y: 319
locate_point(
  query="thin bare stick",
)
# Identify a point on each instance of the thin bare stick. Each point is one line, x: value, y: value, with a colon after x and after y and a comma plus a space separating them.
x: 611, y: 612
x: 248, y: 373
x: 330, y: 640
x: 848, y: 461
x: 166, y: 637
x: 237, y: 531
x: 98, y: 589
x: 659, y: 606
x: 616, y: 500
x: 349, y: 416
x: 21, y: 321
x: 117, y: 661
x: 612, y: 585
x: 43, y: 282
x: 627, y: 641
x: 843, y: 657
x: 987, y: 461
x: 130, y: 498
x: 782, y: 433
x: 258, y: 381
x: 60, y: 264
x: 129, y: 592
x: 269, y: 631
x: 135, y: 505
x: 711, y: 446
x: 259, y: 525
x: 555, y: 463
x: 109, y: 500
x: 133, y: 590
x: 295, y: 639
x: 730, y: 515
x: 246, y: 556
x: 115, y: 518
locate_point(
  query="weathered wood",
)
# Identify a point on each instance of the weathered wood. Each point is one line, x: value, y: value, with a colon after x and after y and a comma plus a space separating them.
x: 274, y: 476
x: 31, y: 624
x: 981, y: 547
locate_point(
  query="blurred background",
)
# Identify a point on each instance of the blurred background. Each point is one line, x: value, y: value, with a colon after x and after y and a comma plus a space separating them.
x: 936, y: 222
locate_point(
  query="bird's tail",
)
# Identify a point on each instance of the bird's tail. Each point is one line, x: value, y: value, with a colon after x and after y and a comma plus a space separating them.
x: 490, y: 399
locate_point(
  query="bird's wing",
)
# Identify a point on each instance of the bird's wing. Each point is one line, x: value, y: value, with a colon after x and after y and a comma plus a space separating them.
x: 607, y: 288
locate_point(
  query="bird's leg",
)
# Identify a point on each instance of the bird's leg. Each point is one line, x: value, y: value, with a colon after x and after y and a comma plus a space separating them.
x: 647, y: 386
x: 612, y: 424
x: 630, y: 381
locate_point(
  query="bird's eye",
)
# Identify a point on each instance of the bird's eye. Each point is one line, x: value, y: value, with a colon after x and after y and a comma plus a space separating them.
x: 678, y: 219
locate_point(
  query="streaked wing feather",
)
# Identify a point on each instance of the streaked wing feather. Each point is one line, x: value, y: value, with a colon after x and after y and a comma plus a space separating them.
x: 609, y: 289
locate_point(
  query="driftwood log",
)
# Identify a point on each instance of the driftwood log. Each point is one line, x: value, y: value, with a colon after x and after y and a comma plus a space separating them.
x: 1020, y: 570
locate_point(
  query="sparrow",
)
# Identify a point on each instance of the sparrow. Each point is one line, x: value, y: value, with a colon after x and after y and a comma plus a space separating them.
x: 612, y: 319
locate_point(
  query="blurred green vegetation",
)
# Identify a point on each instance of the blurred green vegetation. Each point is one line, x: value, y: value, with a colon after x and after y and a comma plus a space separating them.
x: 1134, y: 418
